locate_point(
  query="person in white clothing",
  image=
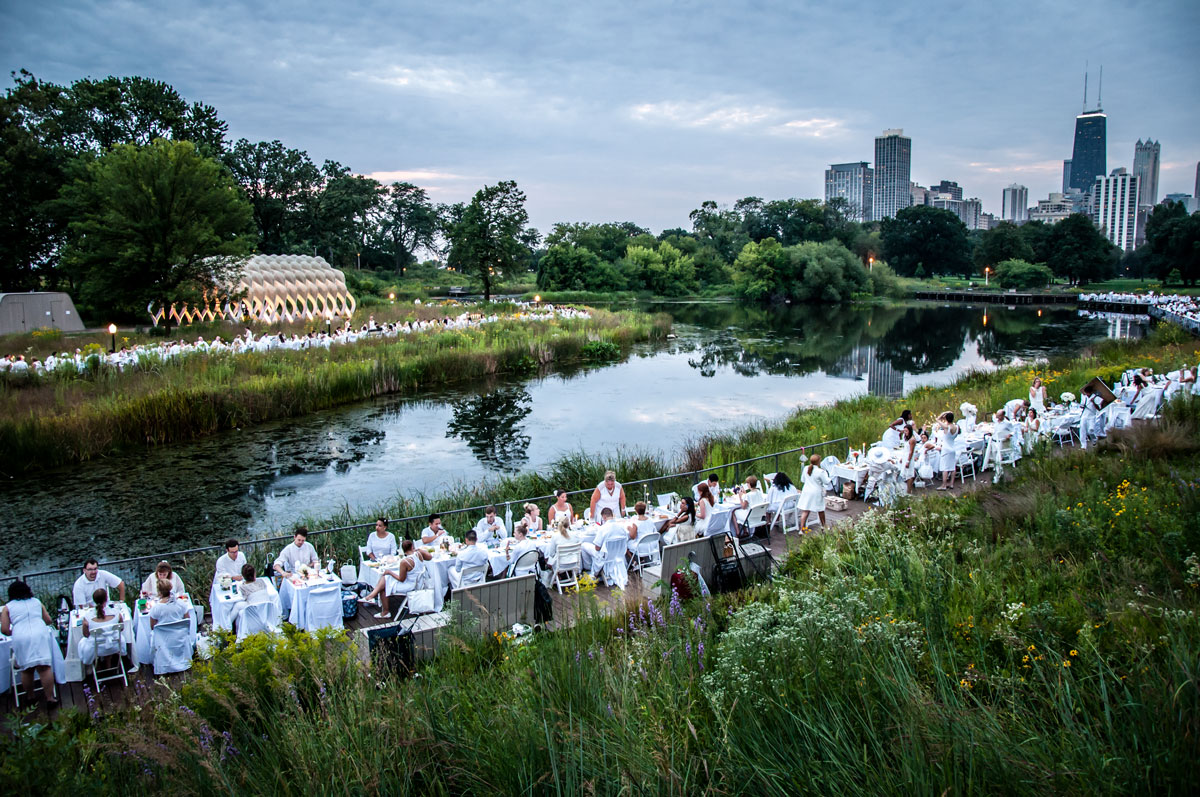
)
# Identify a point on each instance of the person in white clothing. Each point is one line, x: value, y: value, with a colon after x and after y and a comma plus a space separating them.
x: 381, y: 542
x: 434, y: 534
x: 560, y: 508
x: 816, y: 483
x: 781, y: 488
x: 87, y: 645
x: 948, y: 458
x: 609, y: 494
x: 1037, y: 395
x: 533, y: 521
x: 26, y: 620
x: 891, y: 435
x: 163, y: 572
x: 518, y: 543
x: 490, y: 526
x: 562, y: 535
x: 1016, y: 409
x: 300, y: 552
x: 594, y: 551
x: 1089, y: 421
x: 471, y: 555
x: 168, y: 609
x: 92, y: 579
x: 231, y: 562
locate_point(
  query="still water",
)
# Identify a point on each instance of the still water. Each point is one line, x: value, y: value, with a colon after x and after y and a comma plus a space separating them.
x: 728, y: 366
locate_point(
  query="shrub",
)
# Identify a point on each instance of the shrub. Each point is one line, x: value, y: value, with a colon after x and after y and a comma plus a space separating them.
x: 1023, y: 275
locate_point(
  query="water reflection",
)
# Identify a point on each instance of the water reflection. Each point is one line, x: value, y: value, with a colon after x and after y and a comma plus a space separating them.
x: 491, y: 425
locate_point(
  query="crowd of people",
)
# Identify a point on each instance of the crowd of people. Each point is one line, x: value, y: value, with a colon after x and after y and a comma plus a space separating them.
x: 127, y: 357
x: 1183, y: 310
x: 1149, y: 299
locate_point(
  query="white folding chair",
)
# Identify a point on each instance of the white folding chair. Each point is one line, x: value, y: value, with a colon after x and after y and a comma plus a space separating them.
x: 615, y: 571
x: 756, y: 516
x: 788, y: 517
x: 965, y: 463
x: 255, y: 618
x: 324, y: 609
x: 17, y: 688
x: 171, y: 646
x: 664, y: 500
x: 567, y: 564
x: 647, y: 552
x: 109, y: 643
x: 768, y: 480
x: 526, y: 563
x: 828, y: 463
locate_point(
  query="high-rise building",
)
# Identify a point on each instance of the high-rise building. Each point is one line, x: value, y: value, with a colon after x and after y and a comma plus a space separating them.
x: 853, y: 182
x: 987, y: 221
x: 893, y: 172
x: 1052, y: 210
x: 919, y: 195
x: 1066, y: 175
x: 1145, y: 168
x: 1114, y: 203
x: 969, y: 210
x: 1188, y: 201
x: 1015, y: 207
x: 1196, y: 193
x: 948, y: 187
x: 1089, y: 159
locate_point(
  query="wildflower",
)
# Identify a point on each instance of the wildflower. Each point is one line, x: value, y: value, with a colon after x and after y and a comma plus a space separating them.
x: 1074, y: 652
x: 1067, y: 663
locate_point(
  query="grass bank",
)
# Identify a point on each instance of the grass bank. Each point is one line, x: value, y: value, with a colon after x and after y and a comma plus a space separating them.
x: 1042, y: 638
x: 63, y: 420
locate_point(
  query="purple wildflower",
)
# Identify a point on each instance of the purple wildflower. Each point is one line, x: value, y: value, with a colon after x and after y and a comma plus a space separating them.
x: 688, y: 648
x: 577, y: 657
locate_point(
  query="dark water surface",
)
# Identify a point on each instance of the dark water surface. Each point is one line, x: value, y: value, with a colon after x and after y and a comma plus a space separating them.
x: 728, y: 365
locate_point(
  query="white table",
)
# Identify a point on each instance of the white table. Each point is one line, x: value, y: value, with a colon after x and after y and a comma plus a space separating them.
x: 293, y: 594
x: 75, y: 633
x: 141, y: 635
x: 223, y: 602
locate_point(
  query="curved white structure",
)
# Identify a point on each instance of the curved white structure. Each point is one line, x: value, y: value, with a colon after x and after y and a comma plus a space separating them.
x: 273, y: 288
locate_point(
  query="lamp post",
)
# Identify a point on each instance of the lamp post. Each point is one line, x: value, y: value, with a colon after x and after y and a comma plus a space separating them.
x: 112, y: 345
x: 871, y: 263
x: 537, y: 298
x: 392, y: 297
x: 358, y: 255
x: 987, y: 272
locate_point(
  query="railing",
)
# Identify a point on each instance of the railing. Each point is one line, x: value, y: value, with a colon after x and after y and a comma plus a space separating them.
x: 196, y: 565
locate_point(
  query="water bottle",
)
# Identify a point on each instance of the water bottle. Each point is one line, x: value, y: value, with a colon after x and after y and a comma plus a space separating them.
x: 329, y: 566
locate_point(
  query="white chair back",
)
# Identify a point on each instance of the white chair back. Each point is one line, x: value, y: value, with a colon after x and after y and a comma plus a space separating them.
x: 324, y: 609
x: 649, y: 550
x: 757, y: 515
x: 475, y: 574
x: 664, y: 500
x: 829, y: 462
x: 788, y: 517
x: 363, y: 554
x: 767, y: 482
x: 108, y: 639
x: 255, y: 619
x: 171, y: 646
x: 526, y: 563
x: 615, y: 572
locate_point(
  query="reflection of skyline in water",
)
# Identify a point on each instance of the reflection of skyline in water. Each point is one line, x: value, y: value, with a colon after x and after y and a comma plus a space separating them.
x: 729, y: 366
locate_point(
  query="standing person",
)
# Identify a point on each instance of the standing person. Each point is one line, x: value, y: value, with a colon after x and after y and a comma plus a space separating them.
x: 560, y: 507
x: 609, y: 494
x: 816, y: 483
x: 891, y: 435
x: 1037, y: 395
x: 26, y: 620
x: 381, y: 542
x: 92, y: 579
x: 1089, y: 421
x: 911, y: 460
x: 948, y: 431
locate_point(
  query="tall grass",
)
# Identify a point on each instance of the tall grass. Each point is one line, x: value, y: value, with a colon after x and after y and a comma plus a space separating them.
x: 59, y: 421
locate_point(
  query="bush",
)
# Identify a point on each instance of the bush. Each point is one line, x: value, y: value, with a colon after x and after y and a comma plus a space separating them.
x: 1023, y: 275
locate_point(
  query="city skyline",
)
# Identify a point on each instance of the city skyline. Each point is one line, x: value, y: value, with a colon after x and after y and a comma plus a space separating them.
x: 641, y: 113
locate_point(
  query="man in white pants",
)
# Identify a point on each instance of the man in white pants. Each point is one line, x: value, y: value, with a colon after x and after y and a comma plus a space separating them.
x: 1089, y: 421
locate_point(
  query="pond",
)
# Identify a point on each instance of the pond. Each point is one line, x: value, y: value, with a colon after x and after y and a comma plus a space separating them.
x: 728, y: 365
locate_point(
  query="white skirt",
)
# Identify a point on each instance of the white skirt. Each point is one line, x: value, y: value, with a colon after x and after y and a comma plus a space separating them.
x: 812, y: 499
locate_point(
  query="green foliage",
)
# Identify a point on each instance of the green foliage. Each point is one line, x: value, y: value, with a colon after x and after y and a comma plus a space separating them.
x: 600, y: 351
x: 1002, y: 242
x: 1079, y: 252
x: 488, y: 238
x: 664, y: 271
x: 932, y: 238
x: 1173, y: 239
x: 157, y: 225
x: 1022, y: 275
x: 405, y: 222
x: 807, y: 272
x: 575, y: 268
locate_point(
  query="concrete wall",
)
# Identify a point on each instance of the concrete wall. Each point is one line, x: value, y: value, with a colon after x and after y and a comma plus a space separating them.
x: 25, y: 312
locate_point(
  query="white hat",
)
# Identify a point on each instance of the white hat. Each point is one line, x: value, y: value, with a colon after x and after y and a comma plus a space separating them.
x: 878, y: 455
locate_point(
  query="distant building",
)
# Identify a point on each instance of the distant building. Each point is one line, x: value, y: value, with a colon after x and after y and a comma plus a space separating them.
x: 1015, y: 207
x: 1066, y: 175
x: 919, y: 194
x: 1089, y: 158
x: 25, y: 312
x: 1145, y: 168
x: 853, y: 182
x: 1188, y: 201
x: 988, y: 220
x: 969, y: 210
x: 1196, y: 193
x: 1051, y: 210
x: 1115, y: 202
x: 893, y: 172
x: 947, y: 187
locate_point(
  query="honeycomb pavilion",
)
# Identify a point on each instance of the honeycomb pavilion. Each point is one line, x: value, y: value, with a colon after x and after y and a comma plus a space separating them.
x: 273, y: 288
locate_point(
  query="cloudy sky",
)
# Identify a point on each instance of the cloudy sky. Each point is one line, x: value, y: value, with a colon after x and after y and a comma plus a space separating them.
x: 640, y: 111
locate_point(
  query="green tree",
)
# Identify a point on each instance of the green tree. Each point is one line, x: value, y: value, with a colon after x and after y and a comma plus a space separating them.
x: 664, y: 271
x: 1002, y: 242
x: 926, y: 236
x: 278, y: 181
x: 1079, y: 253
x: 1037, y: 235
x: 1173, y: 238
x: 156, y: 224
x: 719, y: 228
x: 404, y: 222
x: 607, y: 241
x: 488, y: 238
x: 1022, y: 274
x: 576, y: 268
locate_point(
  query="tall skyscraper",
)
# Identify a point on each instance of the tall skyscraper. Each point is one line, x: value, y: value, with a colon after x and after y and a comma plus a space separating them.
x: 893, y: 172
x: 1114, y: 207
x: 1015, y: 207
x: 854, y: 182
x: 1066, y: 175
x: 1196, y: 193
x: 1089, y: 159
x: 1145, y: 168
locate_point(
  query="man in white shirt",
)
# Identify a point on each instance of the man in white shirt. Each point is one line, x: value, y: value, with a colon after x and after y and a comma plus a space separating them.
x: 471, y: 555
x: 490, y: 526
x: 593, y: 552
x: 1089, y: 422
x: 1002, y: 440
x: 300, y: 552
x: 434, y: 534
x: 94, y: 578
x: 230, y: 563
x: 519, y: 544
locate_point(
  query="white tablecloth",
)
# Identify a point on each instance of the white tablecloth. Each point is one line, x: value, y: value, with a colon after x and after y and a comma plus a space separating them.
x: 720, y: 519
x: 223, y: 601
x: 75, y: 633
x: 294, y: 597
x: 141, y: 636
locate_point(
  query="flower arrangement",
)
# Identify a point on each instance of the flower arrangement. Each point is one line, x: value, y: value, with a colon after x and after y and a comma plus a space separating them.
x: 1067, y: 398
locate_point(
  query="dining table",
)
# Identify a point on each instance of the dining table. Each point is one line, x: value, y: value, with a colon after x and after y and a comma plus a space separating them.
x: 74, y: 667
x: 224, y: 600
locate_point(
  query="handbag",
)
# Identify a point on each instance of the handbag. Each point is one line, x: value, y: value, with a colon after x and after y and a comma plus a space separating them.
x: 925, y: 471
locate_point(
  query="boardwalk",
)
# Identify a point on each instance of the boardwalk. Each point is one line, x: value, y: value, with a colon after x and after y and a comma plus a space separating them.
x: 82, y: 695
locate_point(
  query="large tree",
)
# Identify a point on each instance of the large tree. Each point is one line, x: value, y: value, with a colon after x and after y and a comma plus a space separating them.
x: 155, y: 224
x: 1002, y: 242
x: 1173, y: 238
x: 1078, y: 252
x: 926, y: 238
x: 487, y: 237
x: 405, y: 221
x: 278, y: 181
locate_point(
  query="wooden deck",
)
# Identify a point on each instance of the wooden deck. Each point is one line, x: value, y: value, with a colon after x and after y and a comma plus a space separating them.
x: 567, y: 609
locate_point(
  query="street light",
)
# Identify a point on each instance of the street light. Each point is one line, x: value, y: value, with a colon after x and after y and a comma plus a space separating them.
x: 871, y: 263
x: 392, y: 297
x: 359, y: 256
x: 112, y: 331
x: 987, y: 272
x: 537, y: 297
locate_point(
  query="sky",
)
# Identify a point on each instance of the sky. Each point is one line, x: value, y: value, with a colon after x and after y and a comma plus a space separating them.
x: 624, y: 111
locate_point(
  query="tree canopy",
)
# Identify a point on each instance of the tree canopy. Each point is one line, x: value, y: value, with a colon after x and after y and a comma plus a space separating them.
x: 930, y: 239
x: 1080, y: 253
x: 488, y: 238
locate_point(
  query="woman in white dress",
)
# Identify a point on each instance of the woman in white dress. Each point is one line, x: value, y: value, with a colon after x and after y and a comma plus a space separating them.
x: 704, y: 508
x: 682, y: 527
x: 911, y: 458
x: 1037, y: 395
x: 609, y: 494
x: 533, y: 520
x: 27, y: 622
x: 948, y: 430
x: 562, y: 534
x: 87, y: 645
x: 892, y: 435
x: 1033, y: 428
x: 381, y: 542
x: 816, y: 483
x: 560, y: 508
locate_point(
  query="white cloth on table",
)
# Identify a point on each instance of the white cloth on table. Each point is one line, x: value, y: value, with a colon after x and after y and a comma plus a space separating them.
x: 816, y: 484
x: 593, y: 552
x: 226, y: 606
x: 5, y: 664
x: 81, y: 593
x: 292, y: 556
x: 32, y: 642
x: 294, y: 599
x: 150, y: 585
x: 381, y: 546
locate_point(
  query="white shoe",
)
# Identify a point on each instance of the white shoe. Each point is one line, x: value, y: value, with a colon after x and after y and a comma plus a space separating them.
x: 383, y: 616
